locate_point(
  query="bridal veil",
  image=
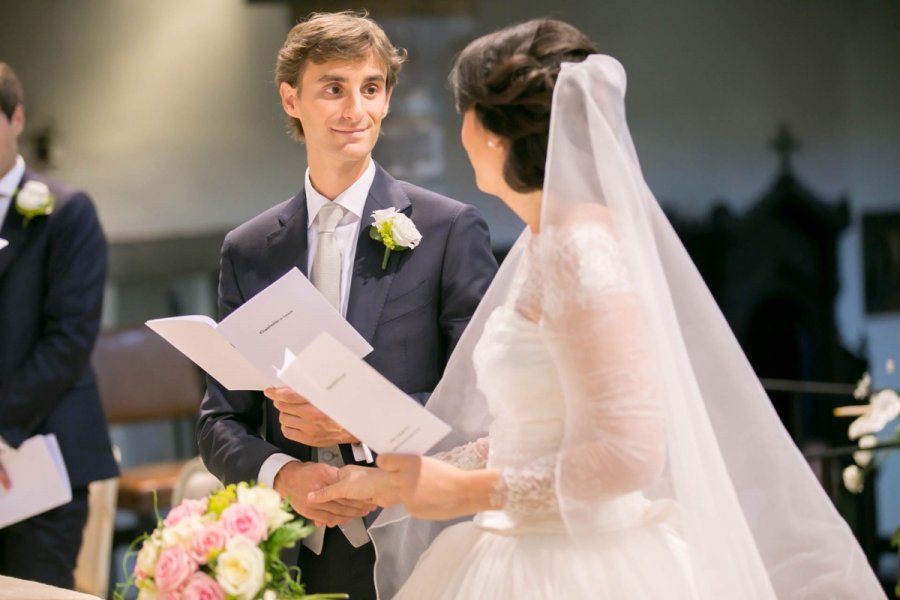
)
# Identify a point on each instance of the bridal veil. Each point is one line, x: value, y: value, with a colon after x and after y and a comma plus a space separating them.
x: 756, y: 521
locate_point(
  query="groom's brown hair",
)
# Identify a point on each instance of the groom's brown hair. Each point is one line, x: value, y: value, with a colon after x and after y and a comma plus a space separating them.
x: 322, y: 37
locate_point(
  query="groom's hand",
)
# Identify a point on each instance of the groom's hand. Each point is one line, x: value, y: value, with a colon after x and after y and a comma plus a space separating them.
x: 304, y: 423
x: 296, y: 480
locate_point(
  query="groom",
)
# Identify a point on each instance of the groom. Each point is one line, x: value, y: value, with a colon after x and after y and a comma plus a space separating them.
x: 335, y: 74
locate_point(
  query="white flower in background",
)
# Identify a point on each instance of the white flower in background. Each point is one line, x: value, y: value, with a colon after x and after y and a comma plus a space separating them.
x: 884, y: 407
x: 395, y: 230
x: 34, y: 200
x: 864, y: 457
x: 269, y: 595
x: 268, y: 501
x: 853, y: 479
x: 862, y: 387
x: 241, y: 568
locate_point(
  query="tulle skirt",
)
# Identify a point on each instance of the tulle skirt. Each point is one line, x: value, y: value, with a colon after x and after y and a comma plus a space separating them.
x: 648, y: 561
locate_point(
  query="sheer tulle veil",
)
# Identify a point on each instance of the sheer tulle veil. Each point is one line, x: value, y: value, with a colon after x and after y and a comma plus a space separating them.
x: 756, y: 521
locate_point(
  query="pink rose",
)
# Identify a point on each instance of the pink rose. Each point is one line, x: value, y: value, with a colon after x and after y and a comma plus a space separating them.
x: 212, y: 537
x: 174, y: 568
x: 188, y: 508
x: 245, y: 520
x: 203, y: 587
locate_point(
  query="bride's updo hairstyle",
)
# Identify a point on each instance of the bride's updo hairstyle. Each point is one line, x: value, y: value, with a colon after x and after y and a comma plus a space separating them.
x: 508, y: 78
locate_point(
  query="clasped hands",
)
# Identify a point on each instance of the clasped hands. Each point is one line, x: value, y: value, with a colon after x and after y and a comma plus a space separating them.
x: 326, y: 495
x: 428, y: 488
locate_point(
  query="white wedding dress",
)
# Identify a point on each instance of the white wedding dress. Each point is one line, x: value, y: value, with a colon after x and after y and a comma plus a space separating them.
x: 629, y: 547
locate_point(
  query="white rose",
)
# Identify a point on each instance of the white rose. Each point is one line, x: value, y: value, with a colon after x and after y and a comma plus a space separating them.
x: 240, y: 569
x: 383, y: 216
x: 853, y: 479
x: 269, y: 595
x: 268, y: 501
x: 864, y: 457
x: 405, y: 232
x: 147, y: 593
x: 181, y: 533
x: 148, y: 556
x: 34, y: 195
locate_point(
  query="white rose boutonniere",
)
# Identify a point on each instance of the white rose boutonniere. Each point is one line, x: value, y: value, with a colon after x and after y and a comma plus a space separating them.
x: 395, y: 230
x: 34, y: 200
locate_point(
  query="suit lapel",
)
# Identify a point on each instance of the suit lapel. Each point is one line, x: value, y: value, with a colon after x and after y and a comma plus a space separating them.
x: 13, y: 230
x: 287, y: 244
x: 370, y: 284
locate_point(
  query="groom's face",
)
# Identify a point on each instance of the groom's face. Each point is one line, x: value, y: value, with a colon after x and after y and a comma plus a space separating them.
x: 341, y: 105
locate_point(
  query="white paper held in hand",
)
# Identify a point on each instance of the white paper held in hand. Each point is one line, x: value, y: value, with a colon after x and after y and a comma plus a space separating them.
x: 39, y: 478
x: 3, y: 243
x: 244, y: 350
x: 360, y: 399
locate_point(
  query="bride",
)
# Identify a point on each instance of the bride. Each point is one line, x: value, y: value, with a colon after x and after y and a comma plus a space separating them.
x: 609, y: 436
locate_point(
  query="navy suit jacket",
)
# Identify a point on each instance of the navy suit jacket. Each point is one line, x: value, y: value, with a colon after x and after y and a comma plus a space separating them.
x: 412, y: 313
x: 51, y: 292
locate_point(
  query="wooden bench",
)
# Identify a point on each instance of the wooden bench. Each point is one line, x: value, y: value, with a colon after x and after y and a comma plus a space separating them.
x: 142, y: 378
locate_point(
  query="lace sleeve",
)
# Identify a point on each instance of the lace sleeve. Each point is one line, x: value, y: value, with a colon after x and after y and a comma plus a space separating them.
x: 615, y: 425
x: 528, y: 490
x: 469, y: 457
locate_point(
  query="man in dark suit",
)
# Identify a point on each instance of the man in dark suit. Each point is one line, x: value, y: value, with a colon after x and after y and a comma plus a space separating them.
x: 52, y: 273
x: 336, y: 73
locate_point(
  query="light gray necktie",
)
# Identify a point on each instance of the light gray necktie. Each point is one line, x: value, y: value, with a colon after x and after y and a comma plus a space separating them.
x: 326, y: 268
x: 326, y: 276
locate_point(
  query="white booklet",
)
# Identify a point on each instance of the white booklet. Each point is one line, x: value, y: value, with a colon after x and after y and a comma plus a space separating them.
x: 39, y: 478
x: 360, y: 399
x: 244, y: 351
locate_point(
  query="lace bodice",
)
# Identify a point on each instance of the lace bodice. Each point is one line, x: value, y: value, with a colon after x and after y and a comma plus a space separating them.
x: 567, y: 343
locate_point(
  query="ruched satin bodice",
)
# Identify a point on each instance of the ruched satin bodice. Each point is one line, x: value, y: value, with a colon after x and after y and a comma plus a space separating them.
x: 517, y: 376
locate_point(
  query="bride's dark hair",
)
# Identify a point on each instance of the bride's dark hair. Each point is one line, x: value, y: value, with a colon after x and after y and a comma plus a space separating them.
x: 508, y: 78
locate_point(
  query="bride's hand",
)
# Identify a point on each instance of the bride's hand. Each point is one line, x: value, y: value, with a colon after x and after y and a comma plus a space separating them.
x: 358, y: 484
x: 427, y: 487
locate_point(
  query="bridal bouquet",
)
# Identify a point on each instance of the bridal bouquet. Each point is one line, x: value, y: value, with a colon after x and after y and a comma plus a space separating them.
x: 224, y: 546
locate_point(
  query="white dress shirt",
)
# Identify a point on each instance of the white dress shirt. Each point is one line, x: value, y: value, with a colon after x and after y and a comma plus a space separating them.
x: 8, y: 184
x: 353, y: 200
